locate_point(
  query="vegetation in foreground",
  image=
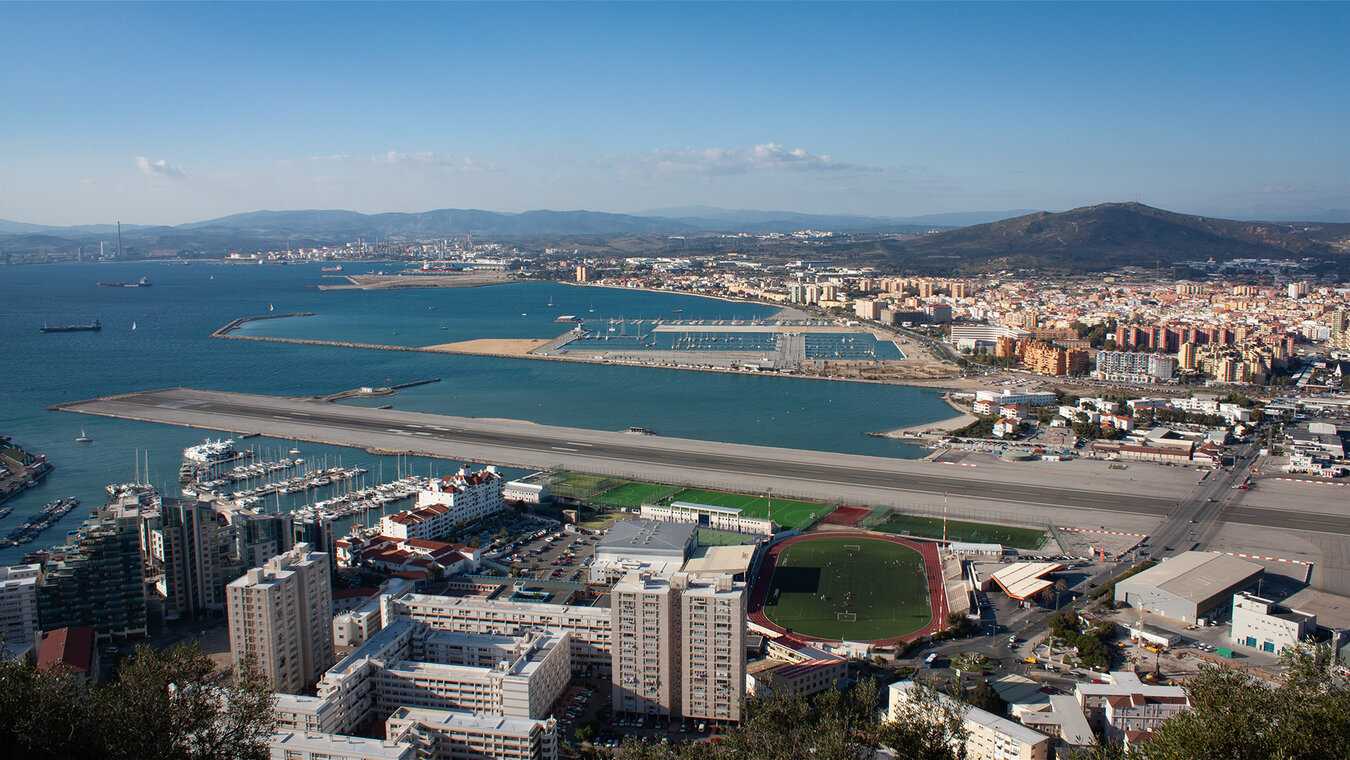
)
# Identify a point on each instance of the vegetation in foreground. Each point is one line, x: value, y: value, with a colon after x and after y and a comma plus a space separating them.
x: 169, y: 705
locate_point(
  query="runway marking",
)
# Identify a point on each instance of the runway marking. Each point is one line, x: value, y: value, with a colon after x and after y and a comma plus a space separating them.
x: 1105, y: 532
x: 420, y: 432
x: 574, y: 443
x: 1314, y: 482
x: 563, y: 448
x: 1258, y: 556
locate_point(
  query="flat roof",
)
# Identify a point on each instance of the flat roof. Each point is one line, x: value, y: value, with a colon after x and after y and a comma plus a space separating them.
x: 695, y: 506
x: 652, y: 536
x: 1196, y: 576
x: 719, y: 560
x: 464, y: 720
x: 338, y: 745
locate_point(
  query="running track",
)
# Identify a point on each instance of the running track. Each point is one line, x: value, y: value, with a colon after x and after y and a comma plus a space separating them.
x: 937, y: 592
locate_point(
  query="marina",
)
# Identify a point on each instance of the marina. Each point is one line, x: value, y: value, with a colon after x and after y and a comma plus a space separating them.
x: 46, y: 517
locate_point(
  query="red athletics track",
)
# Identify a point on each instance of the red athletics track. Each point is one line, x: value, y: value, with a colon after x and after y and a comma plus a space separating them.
x: 937, y: 592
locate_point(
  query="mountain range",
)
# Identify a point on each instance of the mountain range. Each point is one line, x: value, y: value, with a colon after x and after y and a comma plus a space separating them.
x: 1091, y: 238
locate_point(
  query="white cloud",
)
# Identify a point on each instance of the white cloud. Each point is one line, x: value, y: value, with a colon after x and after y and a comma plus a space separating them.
x: 739, y: 160
x: 160, y: 168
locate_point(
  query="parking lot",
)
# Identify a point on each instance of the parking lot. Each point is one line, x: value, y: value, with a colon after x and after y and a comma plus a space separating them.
x: 551, y: 555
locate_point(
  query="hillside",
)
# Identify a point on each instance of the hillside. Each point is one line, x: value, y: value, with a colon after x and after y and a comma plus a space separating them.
x: 1110, y: 235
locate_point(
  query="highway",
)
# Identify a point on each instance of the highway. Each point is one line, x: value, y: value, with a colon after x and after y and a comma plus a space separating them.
x: 529, y: 445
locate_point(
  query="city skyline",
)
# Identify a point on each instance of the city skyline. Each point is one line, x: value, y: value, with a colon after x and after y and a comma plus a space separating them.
x: 166, y: 113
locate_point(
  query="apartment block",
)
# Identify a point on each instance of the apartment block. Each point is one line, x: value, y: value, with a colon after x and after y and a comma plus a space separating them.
x: 678, y: 646
x: 444, y: 735
x: 991, y: 737
x: 713, y: 640
x: 18, y: 608
x: 193, y: 549
x: 460, y: 498
x: 301, y: 745
x: 281, y: 616
x: 96, y: 578
x: 1125, y: 709
x: 589, y: 626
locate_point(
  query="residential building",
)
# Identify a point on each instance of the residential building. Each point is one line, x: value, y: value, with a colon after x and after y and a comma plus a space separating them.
x: 281, y: 616
x: 1125, y: 366
x: 299, y: 745
x: 526, y: 493
x: 1126, y: 710
x: 990, y: 736
x: 69, y: 650
x: 1262, y: 624
x: 193, y: 549
x: 96, y: 578
x: 460, y: 498
x: 18, y: 608
x: 678, y: 646
x: 444, y: 735
x: 589, y: 626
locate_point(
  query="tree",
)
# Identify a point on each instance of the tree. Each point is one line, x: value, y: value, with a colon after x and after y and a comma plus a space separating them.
x: 927, y: 727
x: 984, y: 697
x: 585, y: 732
x: 1061, y: 586
x: 162, y: 705
x: 1235, y: 714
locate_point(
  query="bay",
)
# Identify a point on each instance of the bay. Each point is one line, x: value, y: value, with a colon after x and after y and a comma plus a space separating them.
x: 170, y: 346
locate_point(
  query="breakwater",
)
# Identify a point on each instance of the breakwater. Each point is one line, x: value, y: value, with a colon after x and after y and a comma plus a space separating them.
x: 224, y: 331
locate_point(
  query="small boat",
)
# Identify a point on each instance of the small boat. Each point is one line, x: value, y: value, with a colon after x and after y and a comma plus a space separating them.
x: 293, y: 452
x: 83, y: 438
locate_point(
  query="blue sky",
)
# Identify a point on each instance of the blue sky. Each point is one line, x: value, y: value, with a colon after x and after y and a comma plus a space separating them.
x: 176, y: 112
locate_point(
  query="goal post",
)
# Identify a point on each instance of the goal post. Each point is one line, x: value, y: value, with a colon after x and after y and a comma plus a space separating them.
x: 847, y: 617
x: 852, y: 547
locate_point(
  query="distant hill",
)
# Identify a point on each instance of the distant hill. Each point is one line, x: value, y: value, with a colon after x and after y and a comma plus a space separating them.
x: 1088, y: 239
x: 1111, y: 235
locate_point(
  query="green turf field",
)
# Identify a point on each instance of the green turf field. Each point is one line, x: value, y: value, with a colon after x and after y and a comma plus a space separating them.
x: 631, y: 495
x: 812, y: 580
x: 979, y: 533
x: 787, y: 513
x: 710, y: 537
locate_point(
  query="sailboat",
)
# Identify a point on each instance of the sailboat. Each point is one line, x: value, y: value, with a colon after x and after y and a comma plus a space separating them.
x: 133, y: 326
x: 83, y: 438
x: 270, y: 307
x: 550, y: 300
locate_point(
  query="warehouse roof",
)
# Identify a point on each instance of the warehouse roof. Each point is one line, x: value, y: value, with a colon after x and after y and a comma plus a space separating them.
x: 650, y: 536
x: 1196, y: 576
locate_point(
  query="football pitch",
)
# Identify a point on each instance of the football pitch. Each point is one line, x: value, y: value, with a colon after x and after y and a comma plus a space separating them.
x: 848, y: 587
x: 631, y: 495
x: 786, y: 512
x: 979, y: 533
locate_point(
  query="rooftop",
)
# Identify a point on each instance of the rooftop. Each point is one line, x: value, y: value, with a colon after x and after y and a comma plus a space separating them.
x: 648, y: 536
x: 1196, y: 575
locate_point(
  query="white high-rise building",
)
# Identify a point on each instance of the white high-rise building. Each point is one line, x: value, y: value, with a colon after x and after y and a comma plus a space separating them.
x: 678, y: 646
x: 281, y: 615
x: 18, y: 608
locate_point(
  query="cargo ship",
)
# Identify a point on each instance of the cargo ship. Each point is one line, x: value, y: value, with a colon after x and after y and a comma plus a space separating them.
x: 94, y: 326
x: 337, y: 268
x: 141, y: 283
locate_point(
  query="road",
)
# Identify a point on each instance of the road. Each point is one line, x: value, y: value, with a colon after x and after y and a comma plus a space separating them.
x: 515, y: 443
x: 1197, y: 518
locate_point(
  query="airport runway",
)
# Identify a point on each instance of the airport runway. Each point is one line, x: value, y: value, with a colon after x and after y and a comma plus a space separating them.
x: 528, y: 445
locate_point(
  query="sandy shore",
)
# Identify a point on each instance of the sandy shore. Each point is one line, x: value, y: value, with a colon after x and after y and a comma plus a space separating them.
x: 492, y: 346
x: 962, y: 419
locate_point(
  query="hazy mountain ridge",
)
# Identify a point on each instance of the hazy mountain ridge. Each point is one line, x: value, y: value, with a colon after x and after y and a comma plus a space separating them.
x: 1092, y: 238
